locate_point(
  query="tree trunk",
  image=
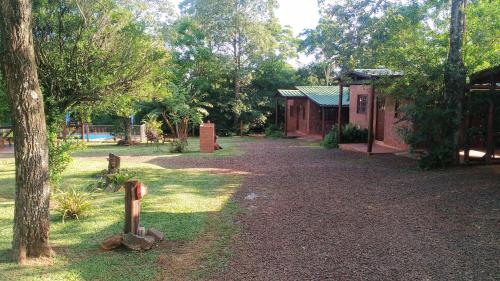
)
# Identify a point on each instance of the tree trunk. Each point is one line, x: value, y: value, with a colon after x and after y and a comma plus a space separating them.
x: 455, y: 73
x: 31, y: 215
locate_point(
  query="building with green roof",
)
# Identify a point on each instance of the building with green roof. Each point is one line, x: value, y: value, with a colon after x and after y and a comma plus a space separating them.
x: 311, y: 110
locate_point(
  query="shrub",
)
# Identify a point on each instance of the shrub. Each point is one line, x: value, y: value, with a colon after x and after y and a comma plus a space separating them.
x: 330, y: 141
x: 352, y: 134
x: 272, y: 131
x: 112, y: 182
x: 72, y: 204
x: 178, y: 146
x: 59, y: 155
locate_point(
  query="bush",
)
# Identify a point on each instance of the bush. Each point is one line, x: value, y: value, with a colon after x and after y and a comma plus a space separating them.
x: 59, y: 155
x: 330, y: 141
x: 112, y: 182
x: 72, y: 204
x: 352, y: 134
x: 178, y: 146
x: 274, y: 132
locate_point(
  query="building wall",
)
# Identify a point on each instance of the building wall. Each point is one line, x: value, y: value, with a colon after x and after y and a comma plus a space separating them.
x: 392, y: 125
x: 293, y: 104
x: 360, y: 120
x: 315, y: 119
x: 391, y: 122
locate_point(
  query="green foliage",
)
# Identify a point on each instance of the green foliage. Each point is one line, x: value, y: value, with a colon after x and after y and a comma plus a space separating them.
x: 178, y: 146
x: 59, y: 155
x: 350, y: 134
x: 272, y: 131
x: 72, y: 203
x: 153, y: 126
x: 354, y: 134
x: 112, y: 182
x: 330, y: 141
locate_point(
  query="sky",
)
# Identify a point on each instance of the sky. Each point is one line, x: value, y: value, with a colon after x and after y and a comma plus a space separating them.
x: 299, y: 15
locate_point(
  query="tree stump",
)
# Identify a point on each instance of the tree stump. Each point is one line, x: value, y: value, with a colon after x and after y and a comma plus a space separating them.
x: 113, y: 164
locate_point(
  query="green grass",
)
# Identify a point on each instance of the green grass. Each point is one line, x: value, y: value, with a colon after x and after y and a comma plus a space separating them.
x: 103, y: 149
x: 181, y: 203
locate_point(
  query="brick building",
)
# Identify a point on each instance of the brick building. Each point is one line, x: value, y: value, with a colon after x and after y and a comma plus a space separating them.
x: 312, y: 110
x: 371, y: 110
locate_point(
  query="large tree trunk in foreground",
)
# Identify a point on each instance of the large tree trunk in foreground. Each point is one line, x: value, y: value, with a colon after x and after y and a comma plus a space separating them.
x: 31, y: 216
x: 455, y: 75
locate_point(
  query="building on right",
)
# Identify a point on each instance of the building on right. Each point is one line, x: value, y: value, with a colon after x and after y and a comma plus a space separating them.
x: 368, y: 109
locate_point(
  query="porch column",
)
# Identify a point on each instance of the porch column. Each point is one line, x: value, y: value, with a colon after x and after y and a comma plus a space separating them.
x: 466, y: 139
x: 285, y: 129
x: 276, y: 112
x: 370, y: 119
x: 490, y: 144
x: 323, y: 121
x: 339, y: 122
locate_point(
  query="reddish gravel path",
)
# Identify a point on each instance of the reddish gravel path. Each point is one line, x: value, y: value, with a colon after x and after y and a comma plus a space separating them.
x: 337, y: 215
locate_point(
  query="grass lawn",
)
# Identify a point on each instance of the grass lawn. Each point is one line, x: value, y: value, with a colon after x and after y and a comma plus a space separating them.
x: 181, y: 203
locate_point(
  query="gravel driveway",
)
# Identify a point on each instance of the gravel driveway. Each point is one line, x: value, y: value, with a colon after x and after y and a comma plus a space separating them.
x: 336, y: 215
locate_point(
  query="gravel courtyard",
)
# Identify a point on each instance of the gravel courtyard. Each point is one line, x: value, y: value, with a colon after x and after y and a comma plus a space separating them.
x: 317, y: 214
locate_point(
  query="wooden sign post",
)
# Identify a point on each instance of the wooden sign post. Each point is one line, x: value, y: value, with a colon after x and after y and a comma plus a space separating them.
x: 132, y: 207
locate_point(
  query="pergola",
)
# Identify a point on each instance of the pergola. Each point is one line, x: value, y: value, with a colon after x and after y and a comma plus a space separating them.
x: 485, y: 84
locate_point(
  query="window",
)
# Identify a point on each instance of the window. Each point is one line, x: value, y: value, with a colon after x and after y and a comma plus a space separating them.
x: 291, y: 111
x: 362, y: 104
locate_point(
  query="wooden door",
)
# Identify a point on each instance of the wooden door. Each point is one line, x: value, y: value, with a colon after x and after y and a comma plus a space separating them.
x: 379, y: 125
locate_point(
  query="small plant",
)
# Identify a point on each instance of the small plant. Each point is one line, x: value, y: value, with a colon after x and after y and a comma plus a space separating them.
x: 112, y: 182
x: 330, y: 141
x: 59, y: 155
x: 178, y: 146
x: 353, y: 134
x: 274, y: 132
x: 72, y: 204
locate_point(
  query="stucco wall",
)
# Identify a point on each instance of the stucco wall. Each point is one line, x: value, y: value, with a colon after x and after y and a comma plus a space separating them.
x: 360, y: 120
x: 391, y: 123
x: 292, y: 117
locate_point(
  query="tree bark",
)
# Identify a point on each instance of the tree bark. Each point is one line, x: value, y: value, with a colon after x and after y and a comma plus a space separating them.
x: 455, y: 73
x: 31, y: 215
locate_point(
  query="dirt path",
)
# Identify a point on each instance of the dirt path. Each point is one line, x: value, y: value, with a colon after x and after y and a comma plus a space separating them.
x: 337, y: 215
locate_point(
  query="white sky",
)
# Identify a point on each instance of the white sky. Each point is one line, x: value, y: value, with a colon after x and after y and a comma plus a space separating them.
x: 299, y: 15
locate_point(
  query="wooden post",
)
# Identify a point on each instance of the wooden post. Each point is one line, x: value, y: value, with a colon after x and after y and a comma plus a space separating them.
x: 276, y: 112
x: 113, y: 164
x: 466, y: 139
x: 370, y: 119
x: 339, y: 113
x: 82, y: 128
x: 490, y: 144
x: 132, y: 208
x: 285, y: 129
x: 323, y: 122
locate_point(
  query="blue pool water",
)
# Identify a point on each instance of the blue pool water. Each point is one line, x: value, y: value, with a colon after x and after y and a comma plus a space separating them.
x: 97, y: 136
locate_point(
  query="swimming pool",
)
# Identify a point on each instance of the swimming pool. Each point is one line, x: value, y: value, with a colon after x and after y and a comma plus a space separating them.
x: 96, y: 136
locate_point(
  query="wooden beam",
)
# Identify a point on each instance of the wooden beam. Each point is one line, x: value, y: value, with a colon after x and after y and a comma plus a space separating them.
x: 490, y: 143
x: 323, y: 121
x: 466, y: 133
x: 370, y: 119
x: 276, y: 112
x: 339, y: 113
x: 285, y: 129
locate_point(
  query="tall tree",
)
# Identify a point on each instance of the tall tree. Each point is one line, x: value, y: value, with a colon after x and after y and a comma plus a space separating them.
x: 455, y: 72
x: 31, y: 216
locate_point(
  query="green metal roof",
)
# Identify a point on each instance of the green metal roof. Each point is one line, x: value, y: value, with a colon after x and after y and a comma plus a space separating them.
x: 291, y: 93
x: 325, y: 95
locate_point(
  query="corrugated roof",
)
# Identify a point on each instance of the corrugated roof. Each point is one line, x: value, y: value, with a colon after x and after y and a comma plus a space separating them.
x: 374, y: 72
x: 325, y: 95
x: 291, y: 93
